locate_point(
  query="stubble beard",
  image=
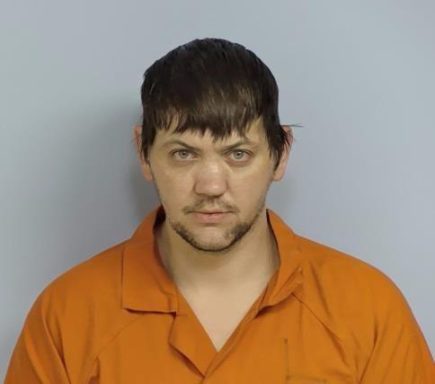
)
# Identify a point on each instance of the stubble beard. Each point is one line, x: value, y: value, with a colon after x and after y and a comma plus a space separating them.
x: 235, y: 234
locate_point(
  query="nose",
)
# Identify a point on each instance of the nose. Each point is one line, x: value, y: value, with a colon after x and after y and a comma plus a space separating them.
x: 211, y: 180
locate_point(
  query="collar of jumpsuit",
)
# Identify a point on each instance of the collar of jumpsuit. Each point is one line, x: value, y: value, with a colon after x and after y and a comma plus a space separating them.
x: 147, y: 287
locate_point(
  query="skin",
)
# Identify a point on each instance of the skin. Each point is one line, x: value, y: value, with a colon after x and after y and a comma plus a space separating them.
x: 237, y: 253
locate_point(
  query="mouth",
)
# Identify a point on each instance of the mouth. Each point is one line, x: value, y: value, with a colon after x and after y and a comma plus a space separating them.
x: 210, y: 217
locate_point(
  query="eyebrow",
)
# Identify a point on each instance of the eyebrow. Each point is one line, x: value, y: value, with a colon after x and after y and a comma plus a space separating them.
x: 225, y: 148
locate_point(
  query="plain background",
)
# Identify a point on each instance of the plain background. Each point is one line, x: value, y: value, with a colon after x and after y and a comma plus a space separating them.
x: 359, y: 76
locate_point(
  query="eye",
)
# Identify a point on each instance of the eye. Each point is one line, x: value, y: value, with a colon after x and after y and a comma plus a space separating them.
x: 181, y: 154
x: 239, y: 155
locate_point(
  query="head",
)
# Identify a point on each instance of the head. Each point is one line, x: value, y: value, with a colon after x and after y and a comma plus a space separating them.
x: 211, y: 139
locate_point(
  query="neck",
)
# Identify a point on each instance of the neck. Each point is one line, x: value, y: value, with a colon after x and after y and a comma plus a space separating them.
x: 249, y: 262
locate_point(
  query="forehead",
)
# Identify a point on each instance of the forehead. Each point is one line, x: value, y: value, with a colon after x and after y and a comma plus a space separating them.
x: 254, y: 133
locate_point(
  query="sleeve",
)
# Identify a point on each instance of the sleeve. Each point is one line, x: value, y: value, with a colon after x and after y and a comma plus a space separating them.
x: 37, y: 356
x: 400, y: 354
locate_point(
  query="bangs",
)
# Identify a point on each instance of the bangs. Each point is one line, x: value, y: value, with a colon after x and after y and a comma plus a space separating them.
x: 220, y: 112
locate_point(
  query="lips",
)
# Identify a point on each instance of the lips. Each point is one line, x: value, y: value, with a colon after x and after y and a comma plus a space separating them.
x: 210, y: 217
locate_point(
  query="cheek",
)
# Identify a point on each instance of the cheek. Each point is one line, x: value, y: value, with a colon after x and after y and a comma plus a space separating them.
x: 172, y: 184
x: 250, y: 185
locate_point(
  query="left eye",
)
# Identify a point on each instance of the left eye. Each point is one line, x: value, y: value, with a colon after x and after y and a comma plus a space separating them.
x: 239, y: 155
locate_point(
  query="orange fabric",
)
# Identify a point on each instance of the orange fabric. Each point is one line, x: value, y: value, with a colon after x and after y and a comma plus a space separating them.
x: 325, y: 317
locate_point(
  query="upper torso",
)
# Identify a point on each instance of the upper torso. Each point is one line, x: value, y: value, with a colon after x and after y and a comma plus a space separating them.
x: 323, y: 318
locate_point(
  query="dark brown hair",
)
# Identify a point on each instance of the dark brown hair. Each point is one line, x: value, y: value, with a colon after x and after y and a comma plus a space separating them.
x: 211, y: 84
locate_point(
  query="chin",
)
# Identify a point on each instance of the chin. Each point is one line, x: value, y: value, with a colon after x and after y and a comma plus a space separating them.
x: 209, y: 240
x: 211, y: 246
x: 212, y: 238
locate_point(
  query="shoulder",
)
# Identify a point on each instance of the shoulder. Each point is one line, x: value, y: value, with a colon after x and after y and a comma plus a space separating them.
x: 81, y: 310
x: 92, y: 280
x: 354, y: 299
x: 367, y: 314
x: 335, y: 270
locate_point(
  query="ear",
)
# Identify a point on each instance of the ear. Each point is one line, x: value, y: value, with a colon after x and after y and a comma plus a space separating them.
x: 144, y: 163
x: 279, y: 172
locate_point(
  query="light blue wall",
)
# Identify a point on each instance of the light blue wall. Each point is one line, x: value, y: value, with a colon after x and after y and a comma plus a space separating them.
x: 358, y: 75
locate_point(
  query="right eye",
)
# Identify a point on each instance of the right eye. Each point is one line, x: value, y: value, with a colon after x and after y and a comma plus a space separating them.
x: 181, y: 154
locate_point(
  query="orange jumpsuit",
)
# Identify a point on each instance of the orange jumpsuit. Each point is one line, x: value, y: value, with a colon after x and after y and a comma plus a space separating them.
x: 324, y: 317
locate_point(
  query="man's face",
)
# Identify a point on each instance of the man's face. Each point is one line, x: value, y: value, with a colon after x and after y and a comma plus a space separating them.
x: 195, y: 176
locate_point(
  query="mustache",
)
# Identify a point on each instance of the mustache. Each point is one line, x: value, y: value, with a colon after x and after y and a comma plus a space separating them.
x: 203, y: 207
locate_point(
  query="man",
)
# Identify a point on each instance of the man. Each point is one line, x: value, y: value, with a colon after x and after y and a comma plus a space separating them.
x: 213, y: 287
